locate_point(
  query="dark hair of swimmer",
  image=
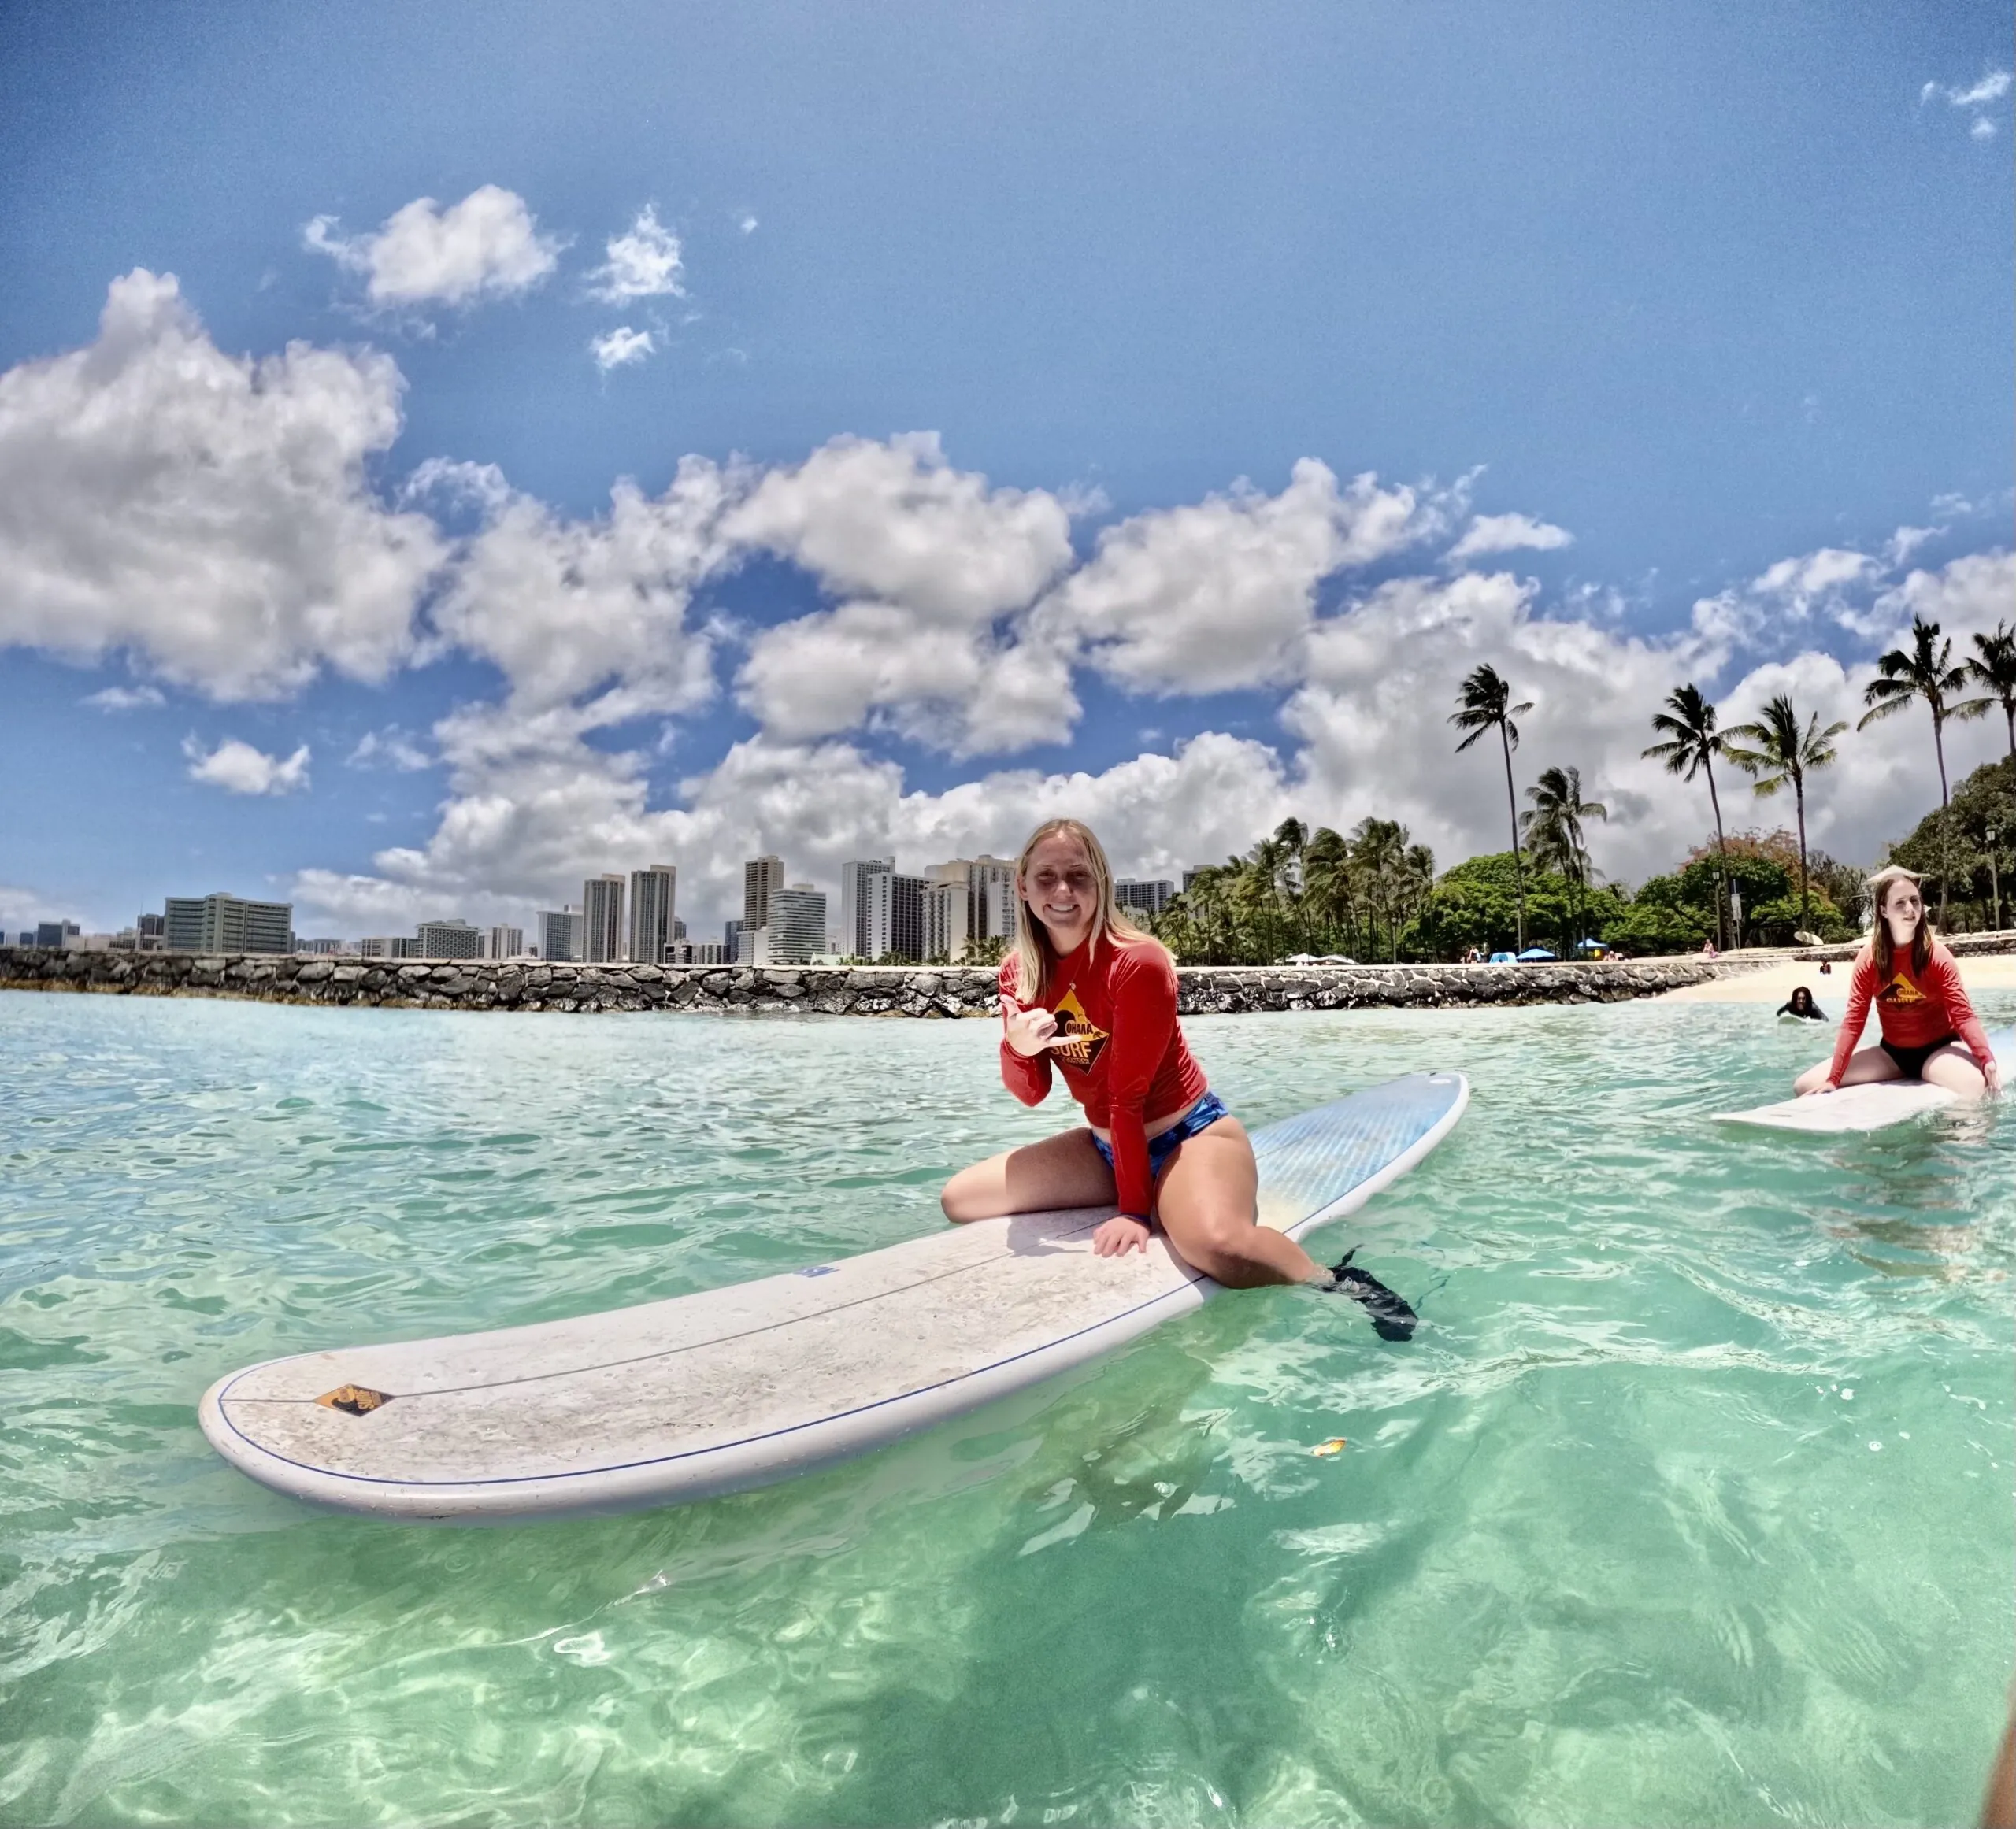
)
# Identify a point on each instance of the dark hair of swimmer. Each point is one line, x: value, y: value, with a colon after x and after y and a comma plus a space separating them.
x: 1802, y: 1001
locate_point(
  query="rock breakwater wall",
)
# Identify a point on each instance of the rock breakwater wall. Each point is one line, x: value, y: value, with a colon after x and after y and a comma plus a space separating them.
x: 863, y: 990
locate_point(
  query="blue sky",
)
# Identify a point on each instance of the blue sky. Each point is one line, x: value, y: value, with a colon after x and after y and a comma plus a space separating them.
x: 1714, y: 304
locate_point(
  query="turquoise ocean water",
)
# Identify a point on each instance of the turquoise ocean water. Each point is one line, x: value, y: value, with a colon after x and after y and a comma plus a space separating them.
x: 1690, y: 1503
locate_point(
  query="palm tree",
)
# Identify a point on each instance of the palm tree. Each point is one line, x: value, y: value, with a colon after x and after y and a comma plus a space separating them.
x: 1327, y: 885
x: 1774, y: 751
x: 1692, y: 743
x: 1417, y: 880
x: 1554, y: 832
x: 1379, y: 857
x: 1994, y: 666
x: 1483, y: 703
x: 1927, y: 672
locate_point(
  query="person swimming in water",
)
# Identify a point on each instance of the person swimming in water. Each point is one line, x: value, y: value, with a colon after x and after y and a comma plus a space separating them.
x: 1801, y: 1004
x: 1930, y: 1030
x: 1086, y: 995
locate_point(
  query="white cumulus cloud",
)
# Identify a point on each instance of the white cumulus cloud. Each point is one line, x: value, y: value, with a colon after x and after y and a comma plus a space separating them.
x: 934, y: 647
x: 895, y: 521
x: 487, y: 247
x: 1221, y: 593
x: 567, y: 607
x: 390, y: 748
x: 209, y: 514
x: 1992, y: 86
x: 126, y: 698
x: 644, y: 262
x: 620, y: 345
x: 1506, y: 533
x: 237, y: 766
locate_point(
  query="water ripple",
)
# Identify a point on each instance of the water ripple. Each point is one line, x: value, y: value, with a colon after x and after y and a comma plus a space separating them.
x: 1689, y: 1502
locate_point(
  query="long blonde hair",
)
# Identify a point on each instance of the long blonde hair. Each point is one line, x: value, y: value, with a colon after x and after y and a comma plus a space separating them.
x: 1881, y: 947
x: 1033, y: 953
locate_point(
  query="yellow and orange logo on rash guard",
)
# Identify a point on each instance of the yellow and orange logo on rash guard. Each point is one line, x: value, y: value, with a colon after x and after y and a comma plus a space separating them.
x: 1080, y: 1039
x: 1899, y: 992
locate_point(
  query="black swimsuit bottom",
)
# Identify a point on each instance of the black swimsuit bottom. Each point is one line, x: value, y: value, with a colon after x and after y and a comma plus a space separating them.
x: 1911, y: 1061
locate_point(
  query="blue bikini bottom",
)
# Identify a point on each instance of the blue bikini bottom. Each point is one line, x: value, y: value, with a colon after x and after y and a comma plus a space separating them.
x: 1202, y: 1115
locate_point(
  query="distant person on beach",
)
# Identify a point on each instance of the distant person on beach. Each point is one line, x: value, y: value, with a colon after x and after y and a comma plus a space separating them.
x: 1930, y: 1031
x: 1085, y: 994
x: 1801, y: 1004
x: 1708, y: 950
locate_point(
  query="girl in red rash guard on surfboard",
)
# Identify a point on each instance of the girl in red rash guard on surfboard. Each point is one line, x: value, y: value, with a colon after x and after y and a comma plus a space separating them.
x: 1085, y: 994
x: 1920, y: 1002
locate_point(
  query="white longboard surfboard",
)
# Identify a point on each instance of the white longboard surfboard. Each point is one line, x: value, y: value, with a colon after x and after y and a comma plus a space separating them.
x: 734, y: 1387
x: 1867, y: 1107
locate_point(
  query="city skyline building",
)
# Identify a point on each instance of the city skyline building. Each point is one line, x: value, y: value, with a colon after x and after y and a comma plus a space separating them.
x: 796, y: 929
x: 762, y: 878
x: 996, y: 905
x: 505, y: 942
x: 602, y: 918
x: 1143, y: 898
x: 652, y: 892
x: 449, y: 939
x: 560, y: 934
x: 219, y: 922
x: 947, y: 919
x: 850, y: 934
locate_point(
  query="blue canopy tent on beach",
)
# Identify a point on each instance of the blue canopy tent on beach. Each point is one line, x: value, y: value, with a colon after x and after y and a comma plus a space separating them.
x: 1502, y: 958
x: 1534, y: 952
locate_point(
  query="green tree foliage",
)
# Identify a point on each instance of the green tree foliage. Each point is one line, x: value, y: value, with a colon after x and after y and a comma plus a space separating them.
x: 1776, y: 753
x: 1476, y: 905
x: 1984, y: 802
x: 1300, y: 890
x: 1689, y: 746
x: 1925, y: 671
x: 1485, y: 704
x: 1993, y: 667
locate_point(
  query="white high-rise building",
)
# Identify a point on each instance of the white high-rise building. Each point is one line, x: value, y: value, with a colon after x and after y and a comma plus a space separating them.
x: 762, y: 878
x: 797, y: 927
x: 559, y: 934
x: 857, y: 892
x: 996, y: 906
x: 226, y: 923
x: 602, y: 918
x: 948, y: 910
x: 1147, y: 898
x: 652, y: 927
x: 504, y: 943
x: 947, y: 921
x: 449, y: 940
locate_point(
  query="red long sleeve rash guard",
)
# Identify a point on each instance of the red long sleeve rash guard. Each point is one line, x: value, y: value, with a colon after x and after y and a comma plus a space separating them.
x: 1125, y: 1061
x: 1913, y: 1009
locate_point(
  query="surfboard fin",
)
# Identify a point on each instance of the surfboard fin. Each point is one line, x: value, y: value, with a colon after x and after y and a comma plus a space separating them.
x: 1392, y: 1319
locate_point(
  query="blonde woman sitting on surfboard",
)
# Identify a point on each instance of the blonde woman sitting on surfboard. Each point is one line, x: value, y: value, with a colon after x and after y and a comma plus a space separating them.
x: 1085, y: 994
x: 1930, y: 1031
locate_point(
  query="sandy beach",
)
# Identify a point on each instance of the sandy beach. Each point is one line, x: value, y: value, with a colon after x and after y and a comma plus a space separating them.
x: 1772, y: 981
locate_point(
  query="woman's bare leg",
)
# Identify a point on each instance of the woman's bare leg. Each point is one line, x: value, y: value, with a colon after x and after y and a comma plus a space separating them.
x: 1954, y: 1069
x: 1063, y: 1171
x: 1866, y: 1066
x: 1206, y: 1201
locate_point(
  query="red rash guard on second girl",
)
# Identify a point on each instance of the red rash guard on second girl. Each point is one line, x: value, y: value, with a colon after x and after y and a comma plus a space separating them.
x: 1913, y: 1009
x: 1125, y: 1061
